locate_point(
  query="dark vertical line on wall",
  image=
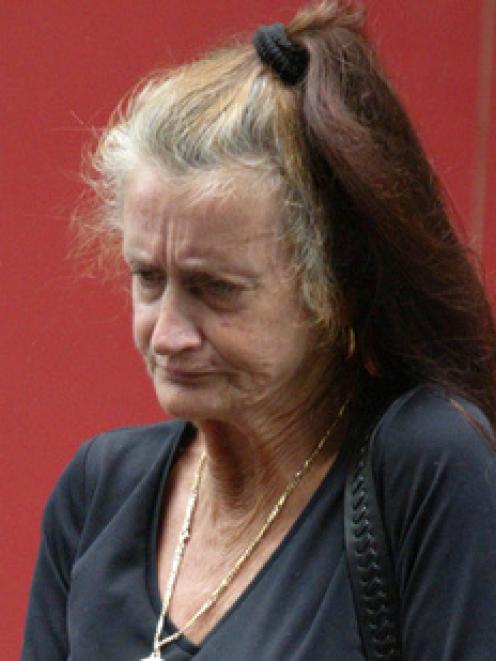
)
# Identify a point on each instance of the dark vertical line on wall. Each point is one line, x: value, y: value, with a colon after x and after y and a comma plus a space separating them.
x: 485, y: 75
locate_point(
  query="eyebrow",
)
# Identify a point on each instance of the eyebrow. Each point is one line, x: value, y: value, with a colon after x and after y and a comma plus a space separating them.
x: 132, y: 257
x: 199, y: 270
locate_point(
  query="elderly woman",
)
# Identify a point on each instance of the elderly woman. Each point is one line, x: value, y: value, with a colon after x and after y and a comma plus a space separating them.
x: 308, y: 316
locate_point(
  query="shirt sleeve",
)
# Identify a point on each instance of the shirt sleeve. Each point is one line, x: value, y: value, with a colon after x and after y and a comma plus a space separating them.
x: 45, y: 636
x: 436, y: 483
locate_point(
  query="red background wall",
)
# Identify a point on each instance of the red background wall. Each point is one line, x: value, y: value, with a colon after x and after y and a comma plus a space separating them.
x: 68, y: 368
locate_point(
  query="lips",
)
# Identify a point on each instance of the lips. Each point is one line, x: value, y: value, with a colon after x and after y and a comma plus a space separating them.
x: 181, y: 375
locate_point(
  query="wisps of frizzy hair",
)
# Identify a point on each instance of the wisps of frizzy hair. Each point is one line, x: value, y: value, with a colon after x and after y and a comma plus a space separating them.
x: 373, y: 247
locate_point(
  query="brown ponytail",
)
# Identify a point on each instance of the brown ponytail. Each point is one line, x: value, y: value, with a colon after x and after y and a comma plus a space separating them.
x: 417, y: 305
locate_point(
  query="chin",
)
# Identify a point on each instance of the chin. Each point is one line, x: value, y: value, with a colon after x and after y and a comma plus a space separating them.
x: 183, y: 402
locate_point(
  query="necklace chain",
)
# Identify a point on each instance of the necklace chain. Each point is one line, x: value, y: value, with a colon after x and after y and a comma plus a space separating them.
x: 185, y: 533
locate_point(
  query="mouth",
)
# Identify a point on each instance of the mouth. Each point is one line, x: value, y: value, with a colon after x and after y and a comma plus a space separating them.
x: 183, y: 375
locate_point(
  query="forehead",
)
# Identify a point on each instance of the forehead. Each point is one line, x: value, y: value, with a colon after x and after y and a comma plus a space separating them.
x: 204, y: 214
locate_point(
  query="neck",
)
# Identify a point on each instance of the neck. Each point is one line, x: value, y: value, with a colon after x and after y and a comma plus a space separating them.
x: 247, y: 469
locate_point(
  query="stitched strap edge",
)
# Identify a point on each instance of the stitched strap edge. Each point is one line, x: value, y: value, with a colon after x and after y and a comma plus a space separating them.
x: 369, y: 562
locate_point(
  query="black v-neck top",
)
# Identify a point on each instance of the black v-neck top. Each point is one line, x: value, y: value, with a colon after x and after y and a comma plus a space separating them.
x: 95, y: 593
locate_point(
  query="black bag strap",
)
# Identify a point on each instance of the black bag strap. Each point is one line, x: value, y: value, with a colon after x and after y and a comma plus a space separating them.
x: 369, y: 562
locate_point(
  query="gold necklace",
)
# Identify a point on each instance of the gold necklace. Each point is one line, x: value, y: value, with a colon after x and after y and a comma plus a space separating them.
x: 185, y: 533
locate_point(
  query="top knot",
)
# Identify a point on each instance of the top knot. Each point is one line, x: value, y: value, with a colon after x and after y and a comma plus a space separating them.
x: 287, y: 59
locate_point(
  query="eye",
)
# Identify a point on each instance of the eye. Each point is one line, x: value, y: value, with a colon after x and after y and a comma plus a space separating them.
x: 148, y: 278
x: 219, y: 291
x: 220, y: 287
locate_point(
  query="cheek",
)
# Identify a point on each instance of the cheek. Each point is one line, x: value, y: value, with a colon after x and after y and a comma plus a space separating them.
x: 270, y: 348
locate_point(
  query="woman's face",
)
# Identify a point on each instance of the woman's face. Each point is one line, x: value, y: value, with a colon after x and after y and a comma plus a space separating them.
x: 216, y: 314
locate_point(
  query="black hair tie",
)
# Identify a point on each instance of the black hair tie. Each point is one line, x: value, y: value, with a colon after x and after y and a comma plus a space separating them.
x: 287, y: 59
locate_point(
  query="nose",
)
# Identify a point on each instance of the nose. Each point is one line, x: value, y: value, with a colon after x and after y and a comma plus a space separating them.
x: 174, y: 330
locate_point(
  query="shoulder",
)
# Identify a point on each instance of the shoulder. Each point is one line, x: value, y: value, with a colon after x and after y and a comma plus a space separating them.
x: 435, y: 476
x: 143, y: 440
x: 128, y: 452
x: 105, y: 470
x: 434, y: 467
x: 432, y: 430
